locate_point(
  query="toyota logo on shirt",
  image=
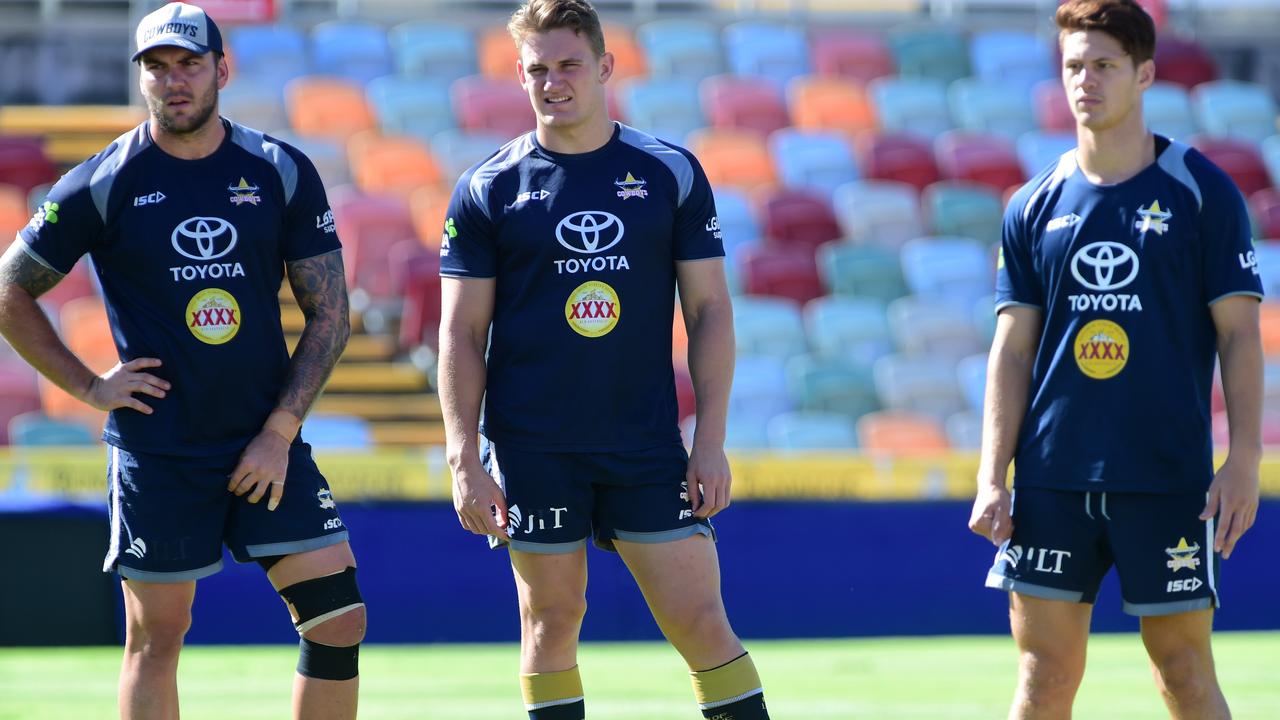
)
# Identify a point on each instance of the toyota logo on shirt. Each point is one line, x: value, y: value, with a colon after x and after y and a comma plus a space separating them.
x: 204, y: 238
x: 590, y: 231
x: 1105, y: 265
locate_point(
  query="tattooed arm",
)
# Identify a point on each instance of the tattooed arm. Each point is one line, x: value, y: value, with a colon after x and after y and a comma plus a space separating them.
x: 23, y: 323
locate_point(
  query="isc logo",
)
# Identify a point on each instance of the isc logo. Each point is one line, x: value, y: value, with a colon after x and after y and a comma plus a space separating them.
x: 1185, y: 585
x: 686, y: 513
x: 333, y: 523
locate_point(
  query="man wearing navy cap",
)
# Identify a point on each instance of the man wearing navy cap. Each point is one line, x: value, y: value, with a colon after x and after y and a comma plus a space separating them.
x: 192, y: 222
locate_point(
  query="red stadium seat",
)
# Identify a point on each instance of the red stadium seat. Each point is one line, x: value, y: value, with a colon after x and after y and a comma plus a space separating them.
x: 741, y: 103
x: 781, y: 272
x: 852, y: 54
x: 369, y: 226
x: 900, y: 157
x: 1053, y: 113
x: 1183, y: 61
x: 23, y: 163
x: 1265, y: 207
x: 1239, y: 159
x: 798, y: 219
x: 14, y: 213
x: 419, y: 283
x: 484, y: 104
x: 986, y: 159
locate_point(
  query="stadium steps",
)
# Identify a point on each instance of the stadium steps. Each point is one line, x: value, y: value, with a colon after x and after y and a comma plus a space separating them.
x: 72, y: 132
x: 400, y: 434
x: 360, y: 347
x: 375, y: 377
x: 376, y: 407
x: 292, y: 320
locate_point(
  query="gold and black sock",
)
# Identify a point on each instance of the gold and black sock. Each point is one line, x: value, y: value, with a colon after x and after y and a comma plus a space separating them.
x: 730, y: 692
x: 554, y: 695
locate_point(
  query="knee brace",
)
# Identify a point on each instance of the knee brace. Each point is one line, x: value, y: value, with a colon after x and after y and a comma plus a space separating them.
x: 316, y: 601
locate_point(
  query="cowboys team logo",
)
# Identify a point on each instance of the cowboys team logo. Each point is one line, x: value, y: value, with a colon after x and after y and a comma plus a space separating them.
x: 592, y: 309
x: 204, y: 238
x: 1183, y: 556
x: 244, y: 193
x: 1101, y: 349
x: 590, y: 231
x: 1153, y: 218
x: 213, y: 316
x: 631, y: 188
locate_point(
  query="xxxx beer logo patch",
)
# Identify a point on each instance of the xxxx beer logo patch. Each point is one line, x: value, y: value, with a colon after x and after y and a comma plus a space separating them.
x: 592, y: 309
x: 1101, y: 349
x: 213, y: 316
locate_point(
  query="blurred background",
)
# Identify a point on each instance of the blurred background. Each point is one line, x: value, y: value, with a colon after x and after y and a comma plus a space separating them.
x: 861, y: 153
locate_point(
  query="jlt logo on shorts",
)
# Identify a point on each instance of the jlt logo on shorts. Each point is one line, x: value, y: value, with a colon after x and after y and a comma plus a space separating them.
x: 517, y: 520
x: 1045, y: 560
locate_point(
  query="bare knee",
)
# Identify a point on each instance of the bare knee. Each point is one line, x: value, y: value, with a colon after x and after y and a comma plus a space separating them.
x: 698, y: 623
x: 158, y: 636
x: 1184, y: 673
x: 1049, y: 679
x: 553, y: 618
x: 342, y: 630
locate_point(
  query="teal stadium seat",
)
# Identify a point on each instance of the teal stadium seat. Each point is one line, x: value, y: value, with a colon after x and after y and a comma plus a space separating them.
x: 1039, y: 149
x: 667, y: 108
x: 768, y: 326
x: 851, y: 328
x: 938, y: 329
x: 948, y: 269
x: 775, y: 51
x: 964, y: 209
x: 759, y: 393
x: 814, y: 160
x: 1166, y: 107
x: 680, y: 49
x: 410, y: 105
x: 1233, y: 109
x: 357, y: 51
x: 878, y: 212
x: 915, y: 106
x: 861, y: 271
x: 440, y: 51
x: 35, y: 429
x: 924, y: 385
x: 808, y: 430
x: 1015, y: 59
x: 832, y: 384
x: 990, y: 106
x: 931, y: 52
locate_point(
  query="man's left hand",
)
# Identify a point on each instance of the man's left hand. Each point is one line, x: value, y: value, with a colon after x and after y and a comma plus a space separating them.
x: 709, y: 480
x: 263, y: 465
x: 1233, y: 497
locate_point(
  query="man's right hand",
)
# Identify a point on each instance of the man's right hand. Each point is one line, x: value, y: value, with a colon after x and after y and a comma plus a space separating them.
x: 992, y: 515
x: 478, y: 500
x: 115, y: 388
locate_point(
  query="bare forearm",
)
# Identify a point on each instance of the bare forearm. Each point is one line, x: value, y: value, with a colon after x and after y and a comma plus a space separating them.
x: 1005, y: 404
x: 1241, y: 360
x: 462, y: 382
x: 711, y: 355
x: 320, y: 288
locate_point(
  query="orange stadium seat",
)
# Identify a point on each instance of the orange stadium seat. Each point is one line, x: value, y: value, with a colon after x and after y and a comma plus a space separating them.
x: 831, y: 103
x: 1269, y: 317
x: 900, y: 433
x: 394, y: 164
x: 628, y: 56
x: 733, y: 158
x: 732, y: 102
x: 498, y: 54
x: 84, y: 328
x: 14, y: 214
x: 324, y: 107
x: 851, y: 54
x: 492, y: 105
x: 428, y: 207
x: 899, y: 157
x: 18, y: 391
x: 1238, y: 158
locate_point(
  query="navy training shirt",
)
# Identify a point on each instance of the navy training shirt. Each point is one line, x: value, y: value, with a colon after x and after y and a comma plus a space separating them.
x: 1124, y: 275
x: 190, y: 255
x: 583, y: 248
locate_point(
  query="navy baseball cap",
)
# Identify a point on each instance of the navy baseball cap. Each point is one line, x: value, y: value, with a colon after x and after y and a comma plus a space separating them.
x: 178, y: 25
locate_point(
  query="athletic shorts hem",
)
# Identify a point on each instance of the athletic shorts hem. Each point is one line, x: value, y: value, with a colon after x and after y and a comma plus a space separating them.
x: 1168, y: 608
x: 1000, y: 582
x: 537, y: 548
x: 663, y: 536
x: 129, y: 573
x: 293, y: 547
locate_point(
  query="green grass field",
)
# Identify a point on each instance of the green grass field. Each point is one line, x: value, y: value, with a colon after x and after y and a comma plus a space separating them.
x: 872, y: 679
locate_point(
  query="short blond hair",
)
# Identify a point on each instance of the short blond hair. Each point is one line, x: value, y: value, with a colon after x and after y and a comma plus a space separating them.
x: 541, y: 16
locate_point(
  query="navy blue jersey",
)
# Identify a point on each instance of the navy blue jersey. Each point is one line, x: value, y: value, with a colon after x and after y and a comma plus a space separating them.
x: 583, y: 249
x: 190, y: 255
x: 1124, y: 275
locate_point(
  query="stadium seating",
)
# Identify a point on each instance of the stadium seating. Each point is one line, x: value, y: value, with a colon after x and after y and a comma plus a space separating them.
x: 738, y: 222
x: 80, y: 282
x: 390, y: 164
x: 1264, y: 206
x: 964, y: 430
x: 35, y: 429
x: 1014, y: 59
x: 271, y: 55
x: 780, y: 272
x: 925, y: 385
x: 809, y: 430
x: 1268, y: 254
x: 358, y: 51
x: 1166, y: 107
x: 628, y: 57
x: 82, y: 324
x: 1271, y: 157
x: 457, y: 150
x: 829, y: 103
x: 878, y: 212
x: 18, y: 392
x: 369, y: 226
x: 497, y: 54
x: 929, y: 52
x: 1238, y: 158
x: 677, y: 48
x: 911, y: 105
x: 328, y: 156
x: 831, y: 384
x: 23, y: 163
x: 963, y: 209
x: 971, y: 372
x: 1233, y: 109
x: 897, y: 156
x: 991, y: 106
x: 733, y: 158
x: 861, y: 271
x: 774, y: 51
x: 433, y: 50
x: 337, y: 432
x: 259, y: 105
x: 743, y: 103
x: 851, y: 54
x: 986, y: 159
x: 935, y: 328
x: 768, y: 326
x: 409, y: 105
x: 1183, y: 61
x: 419, y: 282
x: 489, y: 105
x: 429, y: 206
x: 1052, y: 111
x: 814, y: 160
x: 14, y: 214
x: 1038, y: 150
x: 900, y: 433
x: 325, y: 107
x: 853, y: 328
x: 1269, y: 321
x: 949, y: 269
x: 668, y: 109
x: 759, y: 393
x: 983, y: 316
x: 798, y: 219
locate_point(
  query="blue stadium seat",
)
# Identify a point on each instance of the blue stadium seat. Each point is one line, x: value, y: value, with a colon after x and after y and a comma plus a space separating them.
x: 930, y: 52
x: 457, y: 150
x: 972, y: 374
x: 678, y: 48
x: 759, y: 393
x: 738, y: 223
x: 809, y: 430
x: 357, y: 51
x: 1268, y: 254
x: 329, y: 157
x: 768, y: 326
x: 964, y: 430
x: 963, y: 209
x: 439, y: 51
x: 255, y: 103
x: 983, y: 315
x: 861, y: 271
x: 948, y: 269
x: 770, y: 50
x: 990, y: 106
x: 832, y: 384
x: 925, y: 385
x: 271, y: 55
x: 878, y: 212
x: 913, y: 106
x: 1166, y: 107
x: 812, y: 159
x: 1015, y: 59
x: 937, y: 329
x: 668, y: 108
x: 35, y: 429
x: 337, y: 432
x: 404, y: 105
x: 1229, y: 108
x: 852, y: 328
x: 1038, y: 150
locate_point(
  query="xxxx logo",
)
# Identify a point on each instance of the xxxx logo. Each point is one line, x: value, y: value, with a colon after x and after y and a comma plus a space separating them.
x: 213, y: 316
x: 593, y: 309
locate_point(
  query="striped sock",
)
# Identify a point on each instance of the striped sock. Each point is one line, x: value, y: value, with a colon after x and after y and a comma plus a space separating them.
x: 553, y: 696
x: 731, y: 691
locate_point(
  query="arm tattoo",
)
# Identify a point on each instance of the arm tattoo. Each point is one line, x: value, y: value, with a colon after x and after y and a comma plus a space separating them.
x: 17, y: 267
x: 320, y: 287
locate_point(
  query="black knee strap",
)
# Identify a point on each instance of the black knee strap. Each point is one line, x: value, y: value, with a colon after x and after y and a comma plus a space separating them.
x: 322, y: 598
x: 326, y: 662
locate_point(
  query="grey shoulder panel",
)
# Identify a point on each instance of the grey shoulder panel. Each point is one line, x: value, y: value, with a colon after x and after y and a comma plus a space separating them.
x: 259, y: 145
x: 126, y: 147
x: 483, y: 176
x: 1066, y: 166
x: 672, y: 158
x: 1174, y: 162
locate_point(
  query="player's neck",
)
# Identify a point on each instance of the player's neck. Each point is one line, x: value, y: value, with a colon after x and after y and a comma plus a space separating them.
x: 1116, y: 154
x: 582, y: 138
x: 193, y: 145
